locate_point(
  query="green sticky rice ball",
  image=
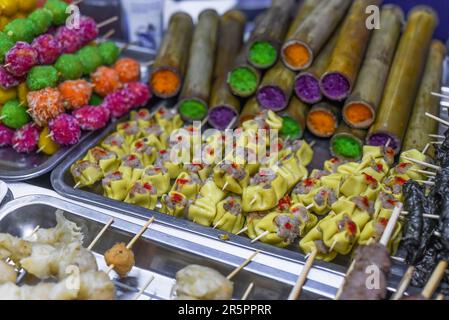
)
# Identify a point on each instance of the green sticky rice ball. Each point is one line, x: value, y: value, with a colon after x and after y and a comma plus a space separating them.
x: 109, y: 52
x: 42, y: 19
x: 95, y: 100
x: 58, y: 9
x: 90, y: 59
x: 69, y: 66
x: 41, y: 77
x: 5, y: 44
x: 21, y: 30
x: 14, y: 115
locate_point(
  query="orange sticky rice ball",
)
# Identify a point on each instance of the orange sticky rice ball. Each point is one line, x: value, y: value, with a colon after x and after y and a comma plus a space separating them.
x: 128, y: 70
x: 75, y: 93
x: 105, y: 81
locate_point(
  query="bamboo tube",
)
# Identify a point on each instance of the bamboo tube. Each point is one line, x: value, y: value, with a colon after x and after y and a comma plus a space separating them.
x: 294, y: 119
x: 250, y: 110
x: 338, y: 80
x: 420, y: 126
x: 171, y: 61
x: 193, y: 104
x: 224, y: 107
x: 305, y: 8
x: 323, y: 119
x: 300, y: 49
x: 404, y: 79
x: 360, y: 109
x: 347, y: 143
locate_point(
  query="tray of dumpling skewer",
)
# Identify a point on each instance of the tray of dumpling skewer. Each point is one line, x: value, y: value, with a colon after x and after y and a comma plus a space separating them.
x: 46, y: 242
x: 52, y: 76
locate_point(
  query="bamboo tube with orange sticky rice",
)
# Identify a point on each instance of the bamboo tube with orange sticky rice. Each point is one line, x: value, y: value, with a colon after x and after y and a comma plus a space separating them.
x: 307, y: 83
x: 420, y: 126
x: 404, y: 79
x: 323, y: 119
x: 249, y: 111
x: 268, y: 34
x: 294, y: 119
x: 276, y: 88
x: 170, y: 65
x: 194, y: 97
x: 224, y: 107
x: 303, y: 45
x: 360, y: 108
x: 347, y: 143
x: 338, y: 80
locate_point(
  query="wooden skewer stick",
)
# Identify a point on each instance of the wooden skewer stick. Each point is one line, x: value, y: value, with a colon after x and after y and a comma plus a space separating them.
x: 333, y: 245
x: 203, y: 123
x: 253, y: 201
x: 100, y: 234
x: 142, y: 290
x: 296, y: 292
x: 77, y: 185
x: 425, y: 215
x: 241, y: 231
x: 149, y: 63
x: 437, y: 136
x: 403, y: 285
x: 230, y: 125
x: 439, y: 95
x: 388, y: 143
x: 429, y: 173
x: 106, y: 22
x: 312, y: 143
x: 248, y: 291
x: 263, y: 234
x: 399, y: 259
x: 425, y: 164
x: 434, y: 280
x: 224, y: 186
x: 243, y: 265
x: 310, y: 206
x: 431, y: 116
x: 437, y: 142
x: 429, y: 183
x: 391, y: 225
x: 426, y: 148
x: 3, y: 117
x: 218, y: 222
x: 76, y: 2
x: 108, y: 34
x: 133, y: 240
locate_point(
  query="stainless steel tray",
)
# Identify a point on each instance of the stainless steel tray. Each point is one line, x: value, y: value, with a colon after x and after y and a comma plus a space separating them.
x: 20, y: 167
x: 157, y: 254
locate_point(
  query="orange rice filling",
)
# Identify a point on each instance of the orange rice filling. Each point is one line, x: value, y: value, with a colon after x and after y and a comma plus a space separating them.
x: 296, y: 55
x: 165, y: 82
x: 358, y: 113
x: 322, y: 122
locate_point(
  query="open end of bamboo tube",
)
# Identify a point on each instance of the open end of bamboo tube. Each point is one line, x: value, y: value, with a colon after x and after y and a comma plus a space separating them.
x: 307, y: 88
x: 379, y: 139
x: 296, y: 55
x: 192, y: 109
x: 243, y: 81
x: 347, y: 147
x: 358, y: 114
x: 220, y: 117
x: 291, y: 128
x: 321, y: 123
x: 335, y: 86
x: 262, y: 54
x: 165, y: 83
x: 272, y: 98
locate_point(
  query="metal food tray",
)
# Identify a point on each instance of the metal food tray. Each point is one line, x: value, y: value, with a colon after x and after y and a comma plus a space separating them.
x: 20, y: 167
x: 156, y: 253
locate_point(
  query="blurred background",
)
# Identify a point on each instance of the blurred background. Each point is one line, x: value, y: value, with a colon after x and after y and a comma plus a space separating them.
x: 143, y: 21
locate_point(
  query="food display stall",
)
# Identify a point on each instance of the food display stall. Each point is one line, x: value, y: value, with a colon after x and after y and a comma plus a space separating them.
x: 218, y: 150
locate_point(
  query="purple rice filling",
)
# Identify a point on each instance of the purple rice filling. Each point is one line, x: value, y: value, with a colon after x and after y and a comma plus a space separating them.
x: 220, y: 117
x: 381, y: 139
x: 307, y: 88
x: 335, y: 86
x: 271, y: 97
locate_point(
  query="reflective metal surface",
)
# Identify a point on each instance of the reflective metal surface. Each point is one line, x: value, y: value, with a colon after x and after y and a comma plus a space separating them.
x: 157, y: 254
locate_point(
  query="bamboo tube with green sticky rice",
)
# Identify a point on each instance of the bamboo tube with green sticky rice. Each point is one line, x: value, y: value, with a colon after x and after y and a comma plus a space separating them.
x: 194, y: 98
x: 347, y: 143
x: 323, y: 119
x: 224, y: 107
x: 168, y: 70
x: 341, y: 74
x: 404, y: 79
x: 269, y: 33
x: 294, y: 119
x: 303, y: 45
x: 420, y: 126
x: 360, y: 108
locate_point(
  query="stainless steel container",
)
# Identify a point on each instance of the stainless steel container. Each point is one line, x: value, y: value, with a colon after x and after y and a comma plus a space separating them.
x: 157, y: 254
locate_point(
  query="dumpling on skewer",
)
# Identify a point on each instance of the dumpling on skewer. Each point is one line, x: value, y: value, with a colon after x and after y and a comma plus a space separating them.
x: 107, y: 160
x: 155, y: 131
x: 393, y: 185
x: 146, y: 149
x: 377, y: 168
x: 142, y: 194
x: 231, y: 177
x: 187, y: 184
x: 357, y: 184
x: 130, y: 131
x: 291, y: 169
x: 175, y: 204
x: 340, y: 233
x: 157, y: 177
x: 196, y: 282
x: 163, y: 160
x: 86, y: 173
x: 304, y: 191
x: 116, y: 185
x: 200, y: 169
x: 301, y: 149
x: 168, y: 119
x: 333, y: 164
x: 323, y: 199
x: 332, y: 181
x: 131, y: 168
x: 229, y: 215
x: 306, y: 219
x: 142, y: 117
x: 116, y: 143
x: 264, y: 192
